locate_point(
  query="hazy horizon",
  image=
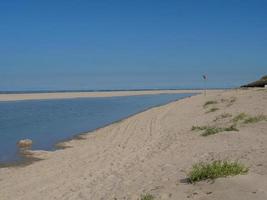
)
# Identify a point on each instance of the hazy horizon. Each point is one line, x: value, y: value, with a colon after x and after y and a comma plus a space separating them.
x: 119, y: 45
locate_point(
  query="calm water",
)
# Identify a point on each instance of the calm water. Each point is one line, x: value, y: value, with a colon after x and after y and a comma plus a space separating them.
x: 48, y: 122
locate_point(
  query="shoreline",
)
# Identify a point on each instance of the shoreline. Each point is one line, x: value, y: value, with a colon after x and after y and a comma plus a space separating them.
x: 71, y: 95
x: 29, y: 156
x: 152, y: 152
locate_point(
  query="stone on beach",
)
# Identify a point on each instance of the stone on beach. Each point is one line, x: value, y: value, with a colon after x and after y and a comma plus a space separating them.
x: 25, y: 143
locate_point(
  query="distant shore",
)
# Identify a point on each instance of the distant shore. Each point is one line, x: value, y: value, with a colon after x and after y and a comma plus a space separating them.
x: 65, y: 95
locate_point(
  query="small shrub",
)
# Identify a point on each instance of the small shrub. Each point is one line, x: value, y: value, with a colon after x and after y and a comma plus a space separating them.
x: 214, y: 130
x: 198, y: 128
x: 211, y: 130
x: 231, y: 128
x: 212, y: 110
x: 209, y: 103
x: 216, y: 169
x: 255, y: 119
x: 225, y: 115
x: 246, y: 119
x: 147, y: 197
x: 239, y: 117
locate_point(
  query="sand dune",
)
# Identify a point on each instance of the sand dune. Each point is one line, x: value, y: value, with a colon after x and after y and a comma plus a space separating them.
x: 152, y: 152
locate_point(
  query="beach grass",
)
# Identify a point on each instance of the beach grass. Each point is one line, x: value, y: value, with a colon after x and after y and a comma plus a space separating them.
x: 199, y: 128
x: 239, y: 117
x: 247, y: 119
x: 215, y: 169
x: 215, y: 130
x: 211, y: 130
x: 147, y: 197
x: 212, y: 110
x: 209, y: 103
x: 255, y: 119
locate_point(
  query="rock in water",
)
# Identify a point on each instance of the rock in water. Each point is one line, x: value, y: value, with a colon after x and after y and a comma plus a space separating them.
x: 25, y: 143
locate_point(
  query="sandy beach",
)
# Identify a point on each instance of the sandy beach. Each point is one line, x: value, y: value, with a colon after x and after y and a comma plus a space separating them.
x: 151, y: 152
x: 70, y: 95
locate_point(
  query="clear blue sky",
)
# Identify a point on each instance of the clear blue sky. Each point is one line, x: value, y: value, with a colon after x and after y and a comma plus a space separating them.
x: 112, y: 44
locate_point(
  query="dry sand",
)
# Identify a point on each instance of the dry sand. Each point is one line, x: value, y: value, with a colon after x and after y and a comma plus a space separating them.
x: 65, y: 95
x: 152, y: 152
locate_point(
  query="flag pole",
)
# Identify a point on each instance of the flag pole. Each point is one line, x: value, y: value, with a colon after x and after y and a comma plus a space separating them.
x: 205, y: 84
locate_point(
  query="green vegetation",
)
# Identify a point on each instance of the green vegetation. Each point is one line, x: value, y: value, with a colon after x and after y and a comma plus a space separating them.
x: 239, y: 117
x: 214, y: 130
x: 199, y: 128
x: 246, y: 119
x: 225, y: 115
x: 212, y: 110
x: 147, y: 197
x: 216, y: 169
x: 211, y: 130
x: 231, y: 128
x: 255, y: 119
x: 209, y: 103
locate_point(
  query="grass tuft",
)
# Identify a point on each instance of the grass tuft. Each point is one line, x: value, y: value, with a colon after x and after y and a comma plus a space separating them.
x: 246, y: 119
x: 209, y: 103
x: 198, y: 128
x: 239, y: 117
x: 231, y: 128
x: 255, y: 119
x: 214, y: 130
x: 212, y: 110
x: 211, y: 130
x: 216, y: 169
x: 147, y: 197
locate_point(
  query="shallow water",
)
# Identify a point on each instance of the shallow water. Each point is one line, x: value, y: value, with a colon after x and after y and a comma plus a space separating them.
x: 48, y: 122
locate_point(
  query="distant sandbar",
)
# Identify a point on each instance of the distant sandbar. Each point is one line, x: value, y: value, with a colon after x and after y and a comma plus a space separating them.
x: 66, y: 95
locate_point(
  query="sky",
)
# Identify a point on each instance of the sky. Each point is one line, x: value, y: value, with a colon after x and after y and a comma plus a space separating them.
x: 135, y: 44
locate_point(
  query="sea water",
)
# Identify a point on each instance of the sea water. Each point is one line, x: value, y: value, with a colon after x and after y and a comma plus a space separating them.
x: 47, y: 122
